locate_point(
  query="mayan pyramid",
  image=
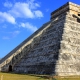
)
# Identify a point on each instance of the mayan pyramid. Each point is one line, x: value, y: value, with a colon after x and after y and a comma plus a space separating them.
x: 53, y: 49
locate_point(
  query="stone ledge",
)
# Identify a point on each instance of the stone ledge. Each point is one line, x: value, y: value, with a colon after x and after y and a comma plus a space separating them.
x: 68, y: 7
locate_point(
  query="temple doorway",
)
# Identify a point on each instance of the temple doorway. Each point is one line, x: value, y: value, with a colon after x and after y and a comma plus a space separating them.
x: 10, y: 68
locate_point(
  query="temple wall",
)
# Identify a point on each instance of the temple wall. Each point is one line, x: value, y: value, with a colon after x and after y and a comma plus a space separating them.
x: 42, y: 57
x: 69, y: 58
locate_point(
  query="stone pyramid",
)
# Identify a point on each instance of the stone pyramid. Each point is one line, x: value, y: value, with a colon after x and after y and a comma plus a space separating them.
x: 53, y: 49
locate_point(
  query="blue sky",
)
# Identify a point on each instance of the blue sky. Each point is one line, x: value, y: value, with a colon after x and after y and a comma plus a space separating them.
x: 20, y: 18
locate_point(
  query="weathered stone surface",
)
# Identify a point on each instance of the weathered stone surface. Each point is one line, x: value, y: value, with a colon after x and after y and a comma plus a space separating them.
x: 53, y: 49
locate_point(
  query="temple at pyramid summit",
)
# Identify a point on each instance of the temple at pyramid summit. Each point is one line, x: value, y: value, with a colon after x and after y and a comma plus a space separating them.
x: 53, y: 49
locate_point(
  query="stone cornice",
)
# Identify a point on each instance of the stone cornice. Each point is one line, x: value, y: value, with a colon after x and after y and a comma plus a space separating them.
x: 68, y: 7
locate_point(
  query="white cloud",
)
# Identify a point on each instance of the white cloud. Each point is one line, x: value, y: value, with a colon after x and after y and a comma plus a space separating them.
x: 26, y: 10
x: 32, y: 4
x: 7, y: 17
x: 28, y: 26
x: 38, y: 14
x: 21, y: 10
x: 8, y: 4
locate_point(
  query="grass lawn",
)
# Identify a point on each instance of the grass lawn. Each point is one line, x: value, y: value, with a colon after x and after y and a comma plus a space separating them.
x: 12, y: 76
